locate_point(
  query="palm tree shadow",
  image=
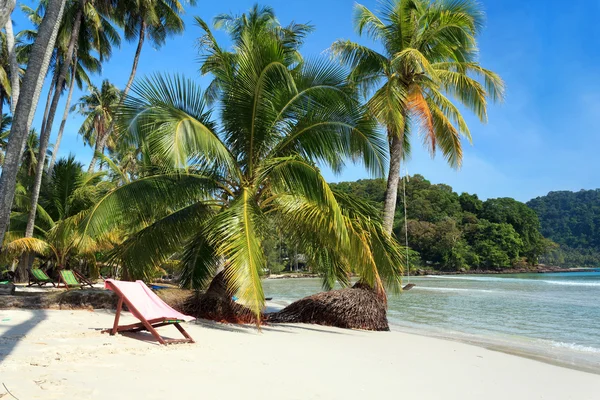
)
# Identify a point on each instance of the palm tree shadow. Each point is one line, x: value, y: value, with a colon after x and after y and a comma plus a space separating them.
x: 11, y: 337
x: 271, y: 327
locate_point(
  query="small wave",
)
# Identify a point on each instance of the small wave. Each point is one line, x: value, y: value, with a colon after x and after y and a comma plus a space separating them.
x: 509, y: 280
x: 573, y: 283
x: 479, y: 278
x: 577, y: 347
x: 444, y: 289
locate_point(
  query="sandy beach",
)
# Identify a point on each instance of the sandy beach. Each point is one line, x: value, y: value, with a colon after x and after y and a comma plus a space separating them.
x: 54, y: 354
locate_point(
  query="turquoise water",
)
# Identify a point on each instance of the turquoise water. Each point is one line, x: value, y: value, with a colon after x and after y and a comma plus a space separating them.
x: 555, y: 314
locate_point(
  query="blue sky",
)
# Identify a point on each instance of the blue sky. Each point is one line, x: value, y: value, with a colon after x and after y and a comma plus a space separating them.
x: 544, y: 136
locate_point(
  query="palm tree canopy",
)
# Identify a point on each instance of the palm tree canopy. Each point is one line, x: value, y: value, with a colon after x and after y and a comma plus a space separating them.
x: 98, y: 108
x: 216, y: 184
x: 429, y: 56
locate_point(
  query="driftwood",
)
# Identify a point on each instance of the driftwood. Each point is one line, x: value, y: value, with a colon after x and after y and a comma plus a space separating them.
x: 353, y: 308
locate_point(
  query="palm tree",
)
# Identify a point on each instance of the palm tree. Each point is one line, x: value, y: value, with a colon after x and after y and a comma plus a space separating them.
x: 99, y: 108
x: 98, y: 36
x: 215, y: 186
x: 155, y: 19
x: 37, y: 67
x: 88, y: 30
x: 429, y: 54
x: 260, y: 20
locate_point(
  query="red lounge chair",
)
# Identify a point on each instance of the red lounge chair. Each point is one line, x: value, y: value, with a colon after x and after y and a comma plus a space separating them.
x: 146, y: 306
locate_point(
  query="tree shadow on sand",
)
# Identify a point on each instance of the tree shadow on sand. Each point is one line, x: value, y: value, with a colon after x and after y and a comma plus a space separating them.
x: 11, y: 333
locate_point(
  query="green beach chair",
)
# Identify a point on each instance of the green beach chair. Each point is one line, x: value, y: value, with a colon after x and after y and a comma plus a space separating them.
x: 68, y: 279
x: 39, y: 277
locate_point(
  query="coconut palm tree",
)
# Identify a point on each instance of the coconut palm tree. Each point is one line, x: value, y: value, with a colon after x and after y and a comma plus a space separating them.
x: 141, y: 19
x: 99, y: 108
x: 37, y: 67
x: 260, y: 20
x: 83, y: 27
x: 215, y: 185
x: 429, y: 55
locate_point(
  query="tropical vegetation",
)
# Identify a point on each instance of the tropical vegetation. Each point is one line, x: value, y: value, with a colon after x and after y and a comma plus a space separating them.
x: 571, y: 219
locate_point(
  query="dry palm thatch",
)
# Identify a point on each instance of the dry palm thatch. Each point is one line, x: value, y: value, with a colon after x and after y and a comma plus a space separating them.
x: 216, y: 304
x: 358, y: 307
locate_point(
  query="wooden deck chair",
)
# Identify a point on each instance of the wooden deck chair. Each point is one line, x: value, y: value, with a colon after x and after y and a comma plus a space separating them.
x: 146, y: 306
x: 39, y: 277
x: 83, y: 280
x: 67, y: 278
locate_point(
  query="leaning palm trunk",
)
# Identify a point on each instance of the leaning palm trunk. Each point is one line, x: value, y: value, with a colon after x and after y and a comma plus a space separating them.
x: 391, y: 192
x: 6, y: 8
x: 25, y: 110
x: 49, y: 99
x: 14, y: 66
x: 45, y: 138
x: 64, y: 118
x: 101, y: 141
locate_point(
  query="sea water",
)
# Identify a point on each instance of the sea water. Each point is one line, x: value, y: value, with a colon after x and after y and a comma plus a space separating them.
x: 554, y: 316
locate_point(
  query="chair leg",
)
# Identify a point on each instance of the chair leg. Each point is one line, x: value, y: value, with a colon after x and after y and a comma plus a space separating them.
x: 117, y: 316
x: 184, y: 332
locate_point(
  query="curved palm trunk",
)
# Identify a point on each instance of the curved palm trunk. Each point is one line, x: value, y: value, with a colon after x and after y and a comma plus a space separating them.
x: 6, y: 8
x: 45, y: 138
x: 101, y: 141
x: 391, y: 192
x: 64, y: 118
x: 14, y: 66
x: 49, y: 99
x: 25, y: 110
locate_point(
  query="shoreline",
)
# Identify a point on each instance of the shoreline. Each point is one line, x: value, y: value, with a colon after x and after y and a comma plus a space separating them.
x: 565, y: 358
x: 430, y: 272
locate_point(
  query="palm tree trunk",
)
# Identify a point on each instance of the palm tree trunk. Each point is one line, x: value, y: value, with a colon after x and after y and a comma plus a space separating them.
x: 14, y: 66
x: 6, y: 8
x: 101, y: 142
x: 65, y: 116
x: 30, y: 94
x: 391, y: 192
x: 45, y: 136
x: 49, y: 98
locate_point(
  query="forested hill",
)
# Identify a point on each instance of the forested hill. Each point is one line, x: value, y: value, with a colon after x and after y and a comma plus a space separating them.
x: 448, y: 231
x: 571, y: 219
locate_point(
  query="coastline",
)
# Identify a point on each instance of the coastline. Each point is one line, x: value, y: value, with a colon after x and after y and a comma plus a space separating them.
x: 541, y: 269
x: 60, y: 354
x: 520, y: 347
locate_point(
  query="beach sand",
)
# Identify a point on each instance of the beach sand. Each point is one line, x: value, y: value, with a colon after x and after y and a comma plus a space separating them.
x: 53, y: 354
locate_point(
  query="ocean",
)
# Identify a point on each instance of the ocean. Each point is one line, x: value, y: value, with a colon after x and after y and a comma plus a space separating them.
x: 554, y: 317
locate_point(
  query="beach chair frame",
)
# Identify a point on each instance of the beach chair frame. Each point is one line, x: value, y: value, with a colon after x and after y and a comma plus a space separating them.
x: 83, y: 280
x: 63, y: 281
x: 33, y: 280
x: 144, y: 325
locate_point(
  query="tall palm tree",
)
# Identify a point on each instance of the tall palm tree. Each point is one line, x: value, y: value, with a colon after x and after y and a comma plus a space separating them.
x: 141, y: 19
x: 37, y: 66
x: 88, y: 30
x: 429, y: 55
x: 216, y: 185
x: 99, y: 108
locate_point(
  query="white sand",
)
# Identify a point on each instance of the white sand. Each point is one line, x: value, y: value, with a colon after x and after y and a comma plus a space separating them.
x: 51, y: 354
